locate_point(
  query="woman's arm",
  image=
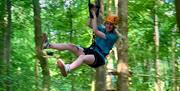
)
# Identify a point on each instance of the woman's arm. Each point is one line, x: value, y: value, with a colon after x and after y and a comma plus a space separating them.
x: 94, y: 27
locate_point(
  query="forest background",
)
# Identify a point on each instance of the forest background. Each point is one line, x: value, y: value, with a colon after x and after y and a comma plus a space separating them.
x: 153, y: 46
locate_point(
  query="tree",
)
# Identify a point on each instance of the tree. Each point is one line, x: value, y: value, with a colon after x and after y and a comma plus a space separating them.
x: 177, y: 5
x: 110, y: 69
x: 174, y: 60
x: 5, y: 45
x: 122, y: 47
x: 38, y: 43
x: 159, y: 82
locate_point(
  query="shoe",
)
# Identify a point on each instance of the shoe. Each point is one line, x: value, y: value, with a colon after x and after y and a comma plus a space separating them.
x: 62, y: 67
x: 45, y: 43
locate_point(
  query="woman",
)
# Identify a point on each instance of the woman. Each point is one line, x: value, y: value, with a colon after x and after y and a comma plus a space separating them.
x: 94, y: 55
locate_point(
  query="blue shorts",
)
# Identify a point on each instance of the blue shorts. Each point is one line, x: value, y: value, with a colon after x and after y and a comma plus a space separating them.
x: 99, y: 60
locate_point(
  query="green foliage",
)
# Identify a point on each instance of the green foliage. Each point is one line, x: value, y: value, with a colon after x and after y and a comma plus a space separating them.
x: 142, y: 47
x: 56, y: 21
x: 66, y: 23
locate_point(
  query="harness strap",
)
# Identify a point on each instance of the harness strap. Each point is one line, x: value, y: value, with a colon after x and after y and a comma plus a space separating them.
x: 94, y: 46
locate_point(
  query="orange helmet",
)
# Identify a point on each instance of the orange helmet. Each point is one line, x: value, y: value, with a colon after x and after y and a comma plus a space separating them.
x: 112, y: 19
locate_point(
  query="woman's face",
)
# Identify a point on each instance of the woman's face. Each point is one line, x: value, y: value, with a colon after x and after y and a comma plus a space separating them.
x: 109, y: 26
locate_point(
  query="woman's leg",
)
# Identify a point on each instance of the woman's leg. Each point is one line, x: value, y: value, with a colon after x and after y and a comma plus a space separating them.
x: 65, y: 68
x: 71, y: 47
x: 87, y: 59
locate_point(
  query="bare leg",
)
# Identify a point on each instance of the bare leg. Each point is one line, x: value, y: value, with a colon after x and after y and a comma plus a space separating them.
x: 87, y: 59
x: 74, y: 49
x: 65, y: 68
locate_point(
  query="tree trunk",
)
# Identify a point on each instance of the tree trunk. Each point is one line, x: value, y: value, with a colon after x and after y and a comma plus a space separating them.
x: 177, y: 5
x: 174, y: 62
x: 36, y: 72
x: 159, y: 82
x: 100, y: 79
x: 5, y: 35
x: 3, y: 25
x: 122, y: 46
x: 146, y: 68
x: 110, y: 69
x: 38, y: 43
x: 70, y: 24
x: 100, y: 72
x: 8, y: 45
x: 175, y: 68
